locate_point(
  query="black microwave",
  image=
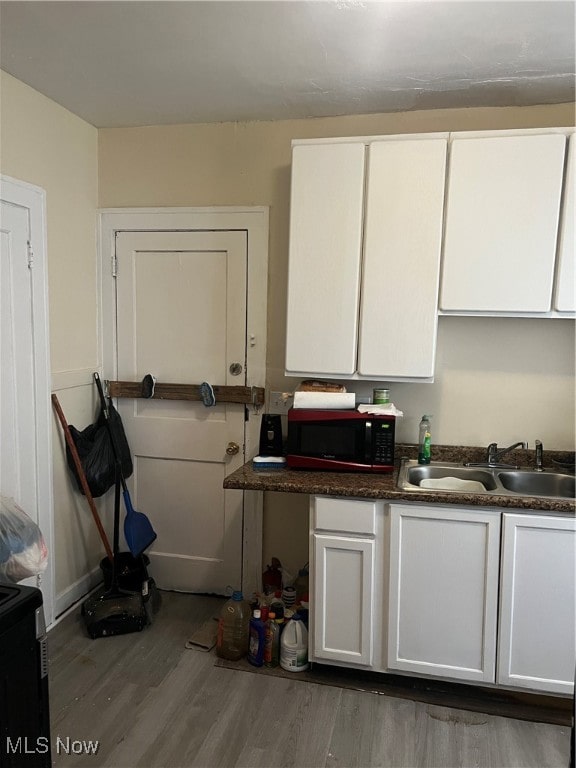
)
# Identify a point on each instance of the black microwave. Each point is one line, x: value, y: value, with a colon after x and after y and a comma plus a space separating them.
x: 340, y: 440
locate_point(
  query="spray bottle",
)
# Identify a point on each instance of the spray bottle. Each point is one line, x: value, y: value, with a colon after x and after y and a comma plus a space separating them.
x: 424, y: 440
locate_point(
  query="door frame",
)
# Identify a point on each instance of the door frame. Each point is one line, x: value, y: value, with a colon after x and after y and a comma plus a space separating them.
x: 254, y: 221
x: 33, y: 199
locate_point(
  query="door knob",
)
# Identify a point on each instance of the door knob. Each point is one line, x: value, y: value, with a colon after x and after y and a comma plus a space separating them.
x: 232, y: 449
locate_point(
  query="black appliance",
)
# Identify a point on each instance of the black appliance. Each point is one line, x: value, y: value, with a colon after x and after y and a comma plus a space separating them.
x: 342, y: 441
x: 270, y: 435
x: 24, y: 711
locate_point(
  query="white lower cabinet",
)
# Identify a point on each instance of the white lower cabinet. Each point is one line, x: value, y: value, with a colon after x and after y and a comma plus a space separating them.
x: 537, y: 603
x: 344, y: 581
x: 443, y: 591
x: 469, y: 594
x: 343, y: 598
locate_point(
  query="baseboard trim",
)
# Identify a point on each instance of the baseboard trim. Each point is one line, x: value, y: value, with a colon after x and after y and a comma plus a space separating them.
x: 75, y: 592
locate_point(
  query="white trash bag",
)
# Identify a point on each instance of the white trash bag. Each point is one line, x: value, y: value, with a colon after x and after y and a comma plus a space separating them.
x: 23, y: 551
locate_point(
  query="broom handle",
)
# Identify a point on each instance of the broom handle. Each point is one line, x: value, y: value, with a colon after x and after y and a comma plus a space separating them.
x: 82, y: 477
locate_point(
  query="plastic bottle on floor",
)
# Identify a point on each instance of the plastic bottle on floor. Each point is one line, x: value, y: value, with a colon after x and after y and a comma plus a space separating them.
x: 233, y: 627
x: 272, y: 641
x: 257, y: 639
x: 276, y: 604
x: 294, y: 646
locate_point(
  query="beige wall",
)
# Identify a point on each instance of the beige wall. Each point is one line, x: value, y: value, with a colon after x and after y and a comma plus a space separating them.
x: 497, y: 379
x: 45, y: 145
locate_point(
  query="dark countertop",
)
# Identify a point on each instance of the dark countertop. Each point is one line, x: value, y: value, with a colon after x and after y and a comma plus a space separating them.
x: 374, y: 486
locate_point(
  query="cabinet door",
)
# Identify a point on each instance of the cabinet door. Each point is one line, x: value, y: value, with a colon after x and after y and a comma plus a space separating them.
x: 343, y: 599
x: 537, y: 598
x: 502, y: 223
x: 403, y: 236
x: 324, y: 262
x: 564, y: 297
x: 443, y: 591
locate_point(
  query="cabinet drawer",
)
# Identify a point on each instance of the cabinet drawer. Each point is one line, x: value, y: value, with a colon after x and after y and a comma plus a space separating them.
x: 347, y: 515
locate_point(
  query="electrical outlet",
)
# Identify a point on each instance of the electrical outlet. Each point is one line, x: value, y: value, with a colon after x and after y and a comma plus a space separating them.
x: 280, y: 403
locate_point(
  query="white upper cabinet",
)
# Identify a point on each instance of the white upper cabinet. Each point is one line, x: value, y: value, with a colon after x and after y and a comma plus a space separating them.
x: 403, y: 236
x: 325, y: 251
x: 501, y: 225
x: 564, y: 297
x: 398, y: 261
x: 373, y: 218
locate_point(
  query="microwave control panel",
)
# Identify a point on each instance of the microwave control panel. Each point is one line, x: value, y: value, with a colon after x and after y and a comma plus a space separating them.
x: 383, y: 437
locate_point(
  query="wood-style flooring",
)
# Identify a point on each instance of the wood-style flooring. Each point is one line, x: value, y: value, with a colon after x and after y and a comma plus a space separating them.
x: 151, y: 702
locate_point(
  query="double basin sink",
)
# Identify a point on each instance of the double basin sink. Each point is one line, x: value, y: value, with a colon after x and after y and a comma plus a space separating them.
x: 495, y: 481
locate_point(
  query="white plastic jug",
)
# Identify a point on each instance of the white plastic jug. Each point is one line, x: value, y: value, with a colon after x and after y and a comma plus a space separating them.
x: 294, y: 646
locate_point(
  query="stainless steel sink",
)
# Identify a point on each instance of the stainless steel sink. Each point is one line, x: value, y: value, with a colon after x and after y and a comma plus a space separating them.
x: 538, y: 483
x: 494, y: 481
x: 416, y: 474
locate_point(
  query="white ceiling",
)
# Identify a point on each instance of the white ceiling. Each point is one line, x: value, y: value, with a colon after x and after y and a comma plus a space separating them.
x: 160, y: 62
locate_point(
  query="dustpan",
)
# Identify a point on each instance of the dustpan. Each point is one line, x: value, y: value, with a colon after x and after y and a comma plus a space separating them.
x: 115, y: 611
x: 109, y: 615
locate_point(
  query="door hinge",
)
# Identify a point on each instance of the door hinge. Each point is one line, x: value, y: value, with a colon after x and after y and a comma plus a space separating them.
x: 30, y: 255
x: 114, y: 266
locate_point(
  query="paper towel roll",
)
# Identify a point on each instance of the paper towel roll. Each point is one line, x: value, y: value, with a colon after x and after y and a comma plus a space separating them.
x: 325, y: 400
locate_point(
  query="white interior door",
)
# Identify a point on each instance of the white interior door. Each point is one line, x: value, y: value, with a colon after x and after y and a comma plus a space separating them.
x: 17, y: 340
x: 25, y: 450
x: 181, y: 316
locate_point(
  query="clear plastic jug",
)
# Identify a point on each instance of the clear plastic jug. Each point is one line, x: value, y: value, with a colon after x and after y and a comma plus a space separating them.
x: 233, y: 628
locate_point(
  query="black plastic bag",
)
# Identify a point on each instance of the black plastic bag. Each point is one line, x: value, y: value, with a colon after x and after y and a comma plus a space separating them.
x: 97, y: 453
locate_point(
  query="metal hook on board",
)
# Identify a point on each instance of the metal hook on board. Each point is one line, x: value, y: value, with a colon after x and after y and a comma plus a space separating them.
x: 105, y: 383
x: 255, y: 404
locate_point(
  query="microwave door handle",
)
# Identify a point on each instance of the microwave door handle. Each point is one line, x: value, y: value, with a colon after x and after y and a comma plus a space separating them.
x: 368, y: 442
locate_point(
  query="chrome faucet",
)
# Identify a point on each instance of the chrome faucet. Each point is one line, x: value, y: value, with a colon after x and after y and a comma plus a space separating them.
x: 494, y: 455
x: 539, y: 456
